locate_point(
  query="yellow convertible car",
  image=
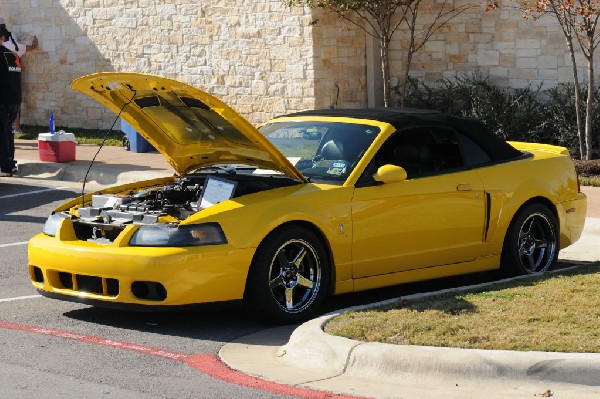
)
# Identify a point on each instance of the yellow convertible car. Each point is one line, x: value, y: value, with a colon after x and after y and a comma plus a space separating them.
x: 309, y: 205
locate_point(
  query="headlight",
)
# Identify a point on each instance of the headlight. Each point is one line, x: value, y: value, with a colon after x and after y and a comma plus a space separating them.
x: 178, y: 236
x: 52, y: 222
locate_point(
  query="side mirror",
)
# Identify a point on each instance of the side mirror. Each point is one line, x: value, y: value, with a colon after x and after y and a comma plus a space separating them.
x: 390, y: 174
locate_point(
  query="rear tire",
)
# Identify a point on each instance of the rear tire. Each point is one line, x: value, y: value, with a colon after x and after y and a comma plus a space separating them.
x: 531, y: 244
x: 289, y: 276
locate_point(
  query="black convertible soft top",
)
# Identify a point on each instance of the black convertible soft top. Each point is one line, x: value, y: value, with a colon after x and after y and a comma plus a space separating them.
x: 402, y: 118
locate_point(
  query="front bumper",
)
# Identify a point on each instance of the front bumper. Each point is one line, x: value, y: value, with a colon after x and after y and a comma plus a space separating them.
x: 86, y: 272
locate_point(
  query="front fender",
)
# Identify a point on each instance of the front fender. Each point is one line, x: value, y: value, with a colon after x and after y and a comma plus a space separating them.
x: 247, y: 220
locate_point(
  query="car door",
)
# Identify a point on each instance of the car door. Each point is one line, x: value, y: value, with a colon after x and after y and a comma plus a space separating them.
x: 434, y: 217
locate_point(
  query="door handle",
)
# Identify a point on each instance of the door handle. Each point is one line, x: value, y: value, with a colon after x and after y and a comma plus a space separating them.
x: 464, y: 187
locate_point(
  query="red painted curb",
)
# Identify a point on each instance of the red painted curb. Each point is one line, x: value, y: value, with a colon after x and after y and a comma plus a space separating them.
x: 209, y: 364
x: 205, y: 363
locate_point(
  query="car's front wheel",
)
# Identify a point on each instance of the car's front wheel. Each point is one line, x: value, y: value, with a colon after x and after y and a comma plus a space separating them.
x: 289, y: 276
x: 532, y: 242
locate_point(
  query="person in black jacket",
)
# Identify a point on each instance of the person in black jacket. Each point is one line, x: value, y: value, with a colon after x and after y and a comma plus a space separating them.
x: 10, y: 98
x: 19, y: 48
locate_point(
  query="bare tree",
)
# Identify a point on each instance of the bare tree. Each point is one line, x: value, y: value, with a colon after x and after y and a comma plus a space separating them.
x: 381, y: 19
x: 578, y: 20
x: 445, y: 12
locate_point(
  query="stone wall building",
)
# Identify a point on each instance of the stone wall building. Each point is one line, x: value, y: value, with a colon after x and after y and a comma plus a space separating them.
x: 259, y: 56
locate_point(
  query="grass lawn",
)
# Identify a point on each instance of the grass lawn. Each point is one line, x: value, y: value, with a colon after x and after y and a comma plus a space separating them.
x: 556, y: 312
x: 83, y: 136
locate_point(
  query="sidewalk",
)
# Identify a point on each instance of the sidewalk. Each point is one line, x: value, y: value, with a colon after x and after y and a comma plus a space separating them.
x: 305, y: 356
x: 113, y: 165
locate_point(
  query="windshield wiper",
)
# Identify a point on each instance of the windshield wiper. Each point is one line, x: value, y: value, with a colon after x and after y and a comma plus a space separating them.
x: 220, y: 168
x: 231, y: 169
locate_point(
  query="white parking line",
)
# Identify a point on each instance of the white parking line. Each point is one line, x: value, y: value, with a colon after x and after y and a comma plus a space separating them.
x: 13, y: 244
x: 32, y: 192
x: 18, y: 298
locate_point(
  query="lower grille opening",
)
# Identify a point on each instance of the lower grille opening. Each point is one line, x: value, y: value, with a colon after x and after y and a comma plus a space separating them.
x: 66, y: 279
x: 149, y: 290
x: 89, y: 284
x: 38, y: 276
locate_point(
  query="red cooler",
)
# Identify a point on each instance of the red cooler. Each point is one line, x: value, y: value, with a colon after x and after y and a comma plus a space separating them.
x: 57, y: 147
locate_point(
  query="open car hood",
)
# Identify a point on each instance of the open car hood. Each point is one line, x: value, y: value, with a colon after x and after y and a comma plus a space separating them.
x: 189, y: 127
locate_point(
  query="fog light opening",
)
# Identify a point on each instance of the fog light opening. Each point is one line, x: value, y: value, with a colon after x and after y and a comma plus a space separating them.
x: 112, y: 286
x: 149, y: 290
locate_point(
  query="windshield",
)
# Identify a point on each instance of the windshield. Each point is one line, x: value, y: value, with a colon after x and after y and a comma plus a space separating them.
x: 326, y: 151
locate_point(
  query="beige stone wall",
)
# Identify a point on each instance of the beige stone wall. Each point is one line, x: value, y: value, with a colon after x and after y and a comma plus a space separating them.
x: 513, y: 51
x: 259, y: 56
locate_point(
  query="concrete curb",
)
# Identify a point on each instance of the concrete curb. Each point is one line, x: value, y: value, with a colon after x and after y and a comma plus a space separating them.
x: 309, y: 347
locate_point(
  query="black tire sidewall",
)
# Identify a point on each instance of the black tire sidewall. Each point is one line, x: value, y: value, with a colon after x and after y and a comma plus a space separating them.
x: 258, y: 298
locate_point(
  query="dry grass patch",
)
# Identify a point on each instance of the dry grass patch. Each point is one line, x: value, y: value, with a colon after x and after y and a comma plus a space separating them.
x: 557, y: 312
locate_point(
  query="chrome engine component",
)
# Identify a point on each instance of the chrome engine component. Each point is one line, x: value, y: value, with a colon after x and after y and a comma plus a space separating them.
x: 145, y: 207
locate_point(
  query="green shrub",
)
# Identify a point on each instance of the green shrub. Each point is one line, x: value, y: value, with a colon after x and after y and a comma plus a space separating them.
x: 528, y: 114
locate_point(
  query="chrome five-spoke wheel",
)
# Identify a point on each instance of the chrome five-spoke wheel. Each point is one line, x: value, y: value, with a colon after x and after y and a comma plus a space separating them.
x: 289, y: 276
x: 295, y: 275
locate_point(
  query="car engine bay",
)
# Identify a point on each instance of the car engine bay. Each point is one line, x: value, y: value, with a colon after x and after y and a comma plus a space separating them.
x: 108, y: 214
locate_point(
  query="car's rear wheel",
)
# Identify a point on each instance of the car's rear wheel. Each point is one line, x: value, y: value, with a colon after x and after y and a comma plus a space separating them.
x: 532, y: 242
x: 289, y: 276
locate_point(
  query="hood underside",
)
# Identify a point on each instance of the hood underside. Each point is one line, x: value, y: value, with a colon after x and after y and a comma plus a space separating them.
x: 189, y: 127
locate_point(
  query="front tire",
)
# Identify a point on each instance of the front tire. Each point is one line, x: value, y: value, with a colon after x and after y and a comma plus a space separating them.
x: 289, y: 276
x: 531, y: 244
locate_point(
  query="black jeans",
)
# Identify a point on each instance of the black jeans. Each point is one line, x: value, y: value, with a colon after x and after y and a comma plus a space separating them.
x: 8, y: 113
